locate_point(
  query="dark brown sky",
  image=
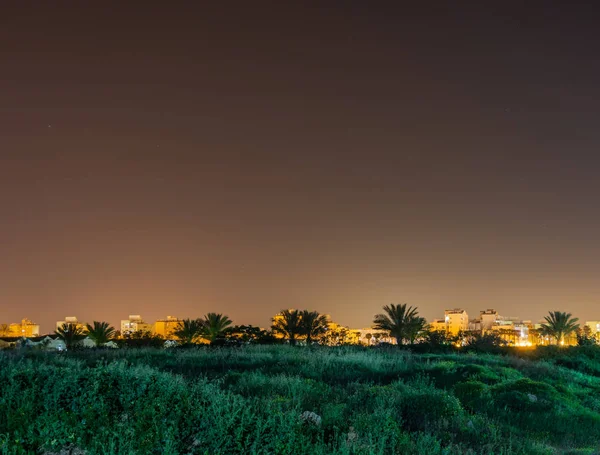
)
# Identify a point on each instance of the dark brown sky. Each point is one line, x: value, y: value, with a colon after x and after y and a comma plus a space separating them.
x: 175, y: 158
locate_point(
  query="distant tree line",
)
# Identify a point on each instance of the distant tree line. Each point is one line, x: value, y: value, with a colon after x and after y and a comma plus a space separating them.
x: 398, y: 321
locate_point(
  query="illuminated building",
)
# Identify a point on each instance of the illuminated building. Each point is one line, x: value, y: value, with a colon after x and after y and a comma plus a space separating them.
x: 135, y: 323
x: 25, y: 328
x: 457, y: 320
x: 438, y: 325
x: 166, y: 327
x: 513, y: 331
x: 338, y: 334
x: 488, y: 318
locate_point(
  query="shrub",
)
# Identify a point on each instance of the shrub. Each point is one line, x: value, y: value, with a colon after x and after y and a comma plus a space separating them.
x: 525, y: 395
x: 447, y: 374
x: 424, y: 408
x: 473, y: 395
x: 486, y: 343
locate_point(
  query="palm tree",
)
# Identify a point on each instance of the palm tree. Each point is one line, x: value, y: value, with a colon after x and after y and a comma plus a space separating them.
x: 214, y: 326
x: 397, y: 320
x: 70, y: 333
x: 289, y: 324
x: 189, y: 330
x: 100, y: 332
x: 559, y: 324
x: 314, y: 325
x: 415, y: 326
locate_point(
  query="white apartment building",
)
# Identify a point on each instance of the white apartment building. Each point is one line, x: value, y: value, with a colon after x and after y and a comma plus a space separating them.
x: 135, y: 323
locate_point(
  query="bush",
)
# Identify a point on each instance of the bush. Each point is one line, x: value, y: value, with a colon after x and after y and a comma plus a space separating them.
x: 525, y: 395
x: 447, y: 374
x: 424, y: 408
x: 473, y: 395
x: 486, y: 343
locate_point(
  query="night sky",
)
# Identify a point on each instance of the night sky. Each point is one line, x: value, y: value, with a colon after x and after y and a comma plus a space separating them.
x: 176, y: 158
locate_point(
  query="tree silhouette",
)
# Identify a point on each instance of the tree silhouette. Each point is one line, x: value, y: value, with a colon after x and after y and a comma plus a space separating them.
x: 559, y: 324
x: 313, y: 325
x: 142, y: 339
x: 100, y: 332
x: 487, y: 342
x: 416, y: 326
x: 438, y: 338
x: 189, y: 330
x: 585, y: 339
x: 70, y: 333
x: 337, y: 336
x: 398, y: 320
x: 289, y: 324
x: 4, y: 330
x: 250, y: 334
x: 214, y: 326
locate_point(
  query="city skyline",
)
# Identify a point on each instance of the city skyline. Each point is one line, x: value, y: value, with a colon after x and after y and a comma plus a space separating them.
x: 472, y: 317
x: 179, y: 159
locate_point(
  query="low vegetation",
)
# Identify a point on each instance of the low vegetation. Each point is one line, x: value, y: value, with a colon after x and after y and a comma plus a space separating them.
x: 296, y: 389
x: 299, y: 400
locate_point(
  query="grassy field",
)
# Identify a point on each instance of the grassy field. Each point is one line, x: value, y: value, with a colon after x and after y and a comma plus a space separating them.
x: 286, y: 400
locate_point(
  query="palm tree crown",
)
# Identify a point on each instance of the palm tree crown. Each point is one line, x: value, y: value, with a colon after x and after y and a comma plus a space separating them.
x: 313, y: 325
x: 559, y: 324
x: 398, y: 320
x: 100, y: 332
x: 215, y: 325
x: 189, y: 330
x: 70, y: 333
x: 415, y: 327
x: 289, y: 324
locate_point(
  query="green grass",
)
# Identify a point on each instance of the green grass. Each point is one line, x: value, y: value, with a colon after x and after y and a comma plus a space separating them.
x: 249, y: 400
